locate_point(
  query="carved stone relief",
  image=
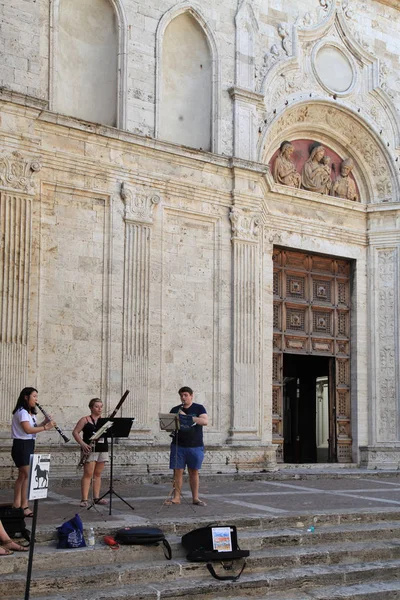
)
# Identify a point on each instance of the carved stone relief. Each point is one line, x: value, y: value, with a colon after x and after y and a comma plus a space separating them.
x: 344, y: 186
x: 284, y: 169
x: 245, y: 225
x: 386, y: 367
x: 139, y: 204
x: 316, y: 175
x: 16, y: 172
x: 354, y: 135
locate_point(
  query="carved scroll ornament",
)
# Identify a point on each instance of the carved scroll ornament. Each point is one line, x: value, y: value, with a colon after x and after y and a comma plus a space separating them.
x: 245, y: 225
x: 139, y: 205
x: 16, y: 172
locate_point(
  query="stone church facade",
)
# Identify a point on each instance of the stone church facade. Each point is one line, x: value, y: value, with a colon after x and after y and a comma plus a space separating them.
x: 156, y: 231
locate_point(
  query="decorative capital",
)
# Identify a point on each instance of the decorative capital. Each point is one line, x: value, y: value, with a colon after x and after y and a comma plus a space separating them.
x: 139, y: 204
x: 16, y: 172
x: 245, y: 224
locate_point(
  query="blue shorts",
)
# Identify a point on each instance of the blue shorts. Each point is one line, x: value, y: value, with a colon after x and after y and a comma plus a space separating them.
x: 181, y: 457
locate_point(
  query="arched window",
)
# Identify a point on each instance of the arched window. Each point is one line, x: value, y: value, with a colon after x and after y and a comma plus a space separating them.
x: 186, y: 94
x: 85, y: 66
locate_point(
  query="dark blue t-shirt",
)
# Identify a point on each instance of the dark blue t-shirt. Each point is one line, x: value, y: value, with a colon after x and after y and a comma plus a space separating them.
x: 190, y: 436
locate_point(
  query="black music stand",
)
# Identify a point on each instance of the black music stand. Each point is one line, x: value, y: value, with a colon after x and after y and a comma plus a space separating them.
x: 120, y: 428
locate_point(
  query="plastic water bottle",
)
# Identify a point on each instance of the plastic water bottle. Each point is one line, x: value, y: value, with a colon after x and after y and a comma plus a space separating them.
x: 91, y: 538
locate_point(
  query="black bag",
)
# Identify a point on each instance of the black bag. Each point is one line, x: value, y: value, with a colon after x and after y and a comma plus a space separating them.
x: 13, y: 520
x: 143, y: 536
x: 200, y: 546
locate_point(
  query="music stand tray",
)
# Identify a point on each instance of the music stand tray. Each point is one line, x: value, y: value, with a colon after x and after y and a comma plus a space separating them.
x: 119, y: 428
x: 169, y: 421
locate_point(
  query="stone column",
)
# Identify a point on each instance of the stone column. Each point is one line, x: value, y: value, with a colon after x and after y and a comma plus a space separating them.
x: 246, y: 319
x: 16, y: 189
x: 139, y: 207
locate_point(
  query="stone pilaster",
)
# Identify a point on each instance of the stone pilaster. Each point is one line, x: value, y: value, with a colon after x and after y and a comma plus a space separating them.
x: 139, y: 207
x: 385, y: 302
x: 246, y: 105
x: 246, y: 292
x: 16, y: 189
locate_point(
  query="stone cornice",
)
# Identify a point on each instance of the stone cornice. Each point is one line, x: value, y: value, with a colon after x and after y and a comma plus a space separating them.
x: 245, y: 95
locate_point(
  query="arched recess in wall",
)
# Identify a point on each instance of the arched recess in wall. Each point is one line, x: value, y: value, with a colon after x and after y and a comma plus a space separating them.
x: 187, y: 80
x: 88, y: 60
x: 347, y: 134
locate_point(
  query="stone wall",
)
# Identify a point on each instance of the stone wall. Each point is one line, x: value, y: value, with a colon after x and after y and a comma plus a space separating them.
x: 143, y: 264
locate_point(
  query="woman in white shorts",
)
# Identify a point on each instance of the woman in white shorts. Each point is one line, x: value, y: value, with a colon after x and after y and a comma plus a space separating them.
x: 95, y: 458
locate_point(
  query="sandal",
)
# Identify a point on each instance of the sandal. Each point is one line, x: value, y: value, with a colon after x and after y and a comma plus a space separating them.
x: 5, y: 551
x: 170, y: 503
x: 12, y: 546
x: 84, y: 503
x: 29, y: 514
x: 199, y: 503
x: 100, y: 501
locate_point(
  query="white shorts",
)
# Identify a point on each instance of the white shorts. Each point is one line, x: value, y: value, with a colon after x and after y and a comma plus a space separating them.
x: 98, y: 457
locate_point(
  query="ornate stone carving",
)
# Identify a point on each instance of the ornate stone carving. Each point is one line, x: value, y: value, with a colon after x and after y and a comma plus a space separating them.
x: 16, y: 172
x: 284, y: 169
x: 357, y: 137
x: 347, y: 9
x: 315, y: 175
x: 344, y: 186
x: 285, y: 40
x: 386, y: 367
x: 269, y: 60
x: 245, y: 225
x: 139, y: 205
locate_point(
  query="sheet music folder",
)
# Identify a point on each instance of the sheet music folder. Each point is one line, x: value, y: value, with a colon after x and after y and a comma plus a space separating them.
x: 121, y: 427
x: 169, y: 421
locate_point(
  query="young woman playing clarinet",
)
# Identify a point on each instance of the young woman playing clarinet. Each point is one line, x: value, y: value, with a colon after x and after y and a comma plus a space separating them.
x: 93, y: 459
x: 23, y: 431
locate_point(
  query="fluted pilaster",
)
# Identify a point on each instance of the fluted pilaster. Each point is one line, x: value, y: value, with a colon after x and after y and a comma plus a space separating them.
x: 15, y: 257
x: 138, y: 219
x: 245, y: 380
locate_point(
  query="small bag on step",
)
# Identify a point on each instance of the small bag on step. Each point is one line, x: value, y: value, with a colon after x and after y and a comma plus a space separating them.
x: 144, y: 536
x: 13, y: 520
x: 70, y: 534
x: 215, y: 543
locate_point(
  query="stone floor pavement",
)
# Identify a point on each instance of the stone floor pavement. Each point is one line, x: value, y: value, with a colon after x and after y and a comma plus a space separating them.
x: 258, y: 495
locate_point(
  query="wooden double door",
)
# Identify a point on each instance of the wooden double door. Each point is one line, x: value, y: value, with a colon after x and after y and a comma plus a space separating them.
x: 311, y: 353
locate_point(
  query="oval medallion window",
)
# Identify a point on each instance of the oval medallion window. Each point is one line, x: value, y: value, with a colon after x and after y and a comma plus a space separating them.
x: 334, y: 69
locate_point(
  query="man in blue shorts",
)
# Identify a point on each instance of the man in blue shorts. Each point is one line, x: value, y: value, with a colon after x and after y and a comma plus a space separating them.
x: 187, y: 447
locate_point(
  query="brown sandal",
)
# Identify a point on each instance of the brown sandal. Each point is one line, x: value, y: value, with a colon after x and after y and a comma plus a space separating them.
x: 5, y: 551
x: 14, y: 547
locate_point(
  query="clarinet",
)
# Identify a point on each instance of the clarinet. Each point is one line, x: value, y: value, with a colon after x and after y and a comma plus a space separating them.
x: 56, y: 427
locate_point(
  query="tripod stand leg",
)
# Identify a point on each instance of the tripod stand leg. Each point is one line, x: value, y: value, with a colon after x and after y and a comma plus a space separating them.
x: 121, y: 498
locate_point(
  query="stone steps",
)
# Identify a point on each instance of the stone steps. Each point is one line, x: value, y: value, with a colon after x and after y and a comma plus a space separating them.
x: 334, y: 582
x: 341, y: 551
x: 340, y: 541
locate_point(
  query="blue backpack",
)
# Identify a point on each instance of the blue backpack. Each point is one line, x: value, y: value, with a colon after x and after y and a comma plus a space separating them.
x: 70, y: 534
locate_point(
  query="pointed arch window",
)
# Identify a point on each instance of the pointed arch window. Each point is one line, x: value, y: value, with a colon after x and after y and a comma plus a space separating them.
x: 88, y: 55
x: 187, y: 95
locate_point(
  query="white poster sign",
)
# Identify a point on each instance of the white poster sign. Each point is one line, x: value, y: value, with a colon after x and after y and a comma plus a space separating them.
x: 39, y: 476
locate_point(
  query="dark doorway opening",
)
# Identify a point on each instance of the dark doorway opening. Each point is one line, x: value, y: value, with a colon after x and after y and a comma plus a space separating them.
x: 309, y: 412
